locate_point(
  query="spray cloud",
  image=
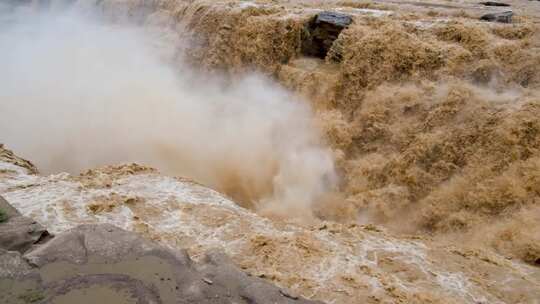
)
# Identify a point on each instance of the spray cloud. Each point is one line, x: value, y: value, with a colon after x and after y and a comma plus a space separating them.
x: 78, y: 93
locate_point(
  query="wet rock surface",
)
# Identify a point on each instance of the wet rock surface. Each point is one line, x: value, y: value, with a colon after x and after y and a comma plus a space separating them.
x: 105, y: 264
x: 7, y: 209
x: 17, y: 232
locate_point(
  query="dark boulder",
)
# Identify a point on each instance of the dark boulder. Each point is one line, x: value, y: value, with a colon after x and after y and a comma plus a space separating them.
x: 492, y: 3
x: 503, y: 17
x: 322, y: 31
x: 335, y: 20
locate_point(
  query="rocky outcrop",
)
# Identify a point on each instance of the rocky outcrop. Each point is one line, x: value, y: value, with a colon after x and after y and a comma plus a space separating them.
x: 17, y: 232
x: 322, y: 31
x: 105, y: 264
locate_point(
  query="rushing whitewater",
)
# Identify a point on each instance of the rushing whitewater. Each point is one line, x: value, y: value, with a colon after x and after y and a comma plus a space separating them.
x: 412, y: 145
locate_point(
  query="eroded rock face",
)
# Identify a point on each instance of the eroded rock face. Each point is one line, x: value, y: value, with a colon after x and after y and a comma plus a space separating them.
x: 102, y: 263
